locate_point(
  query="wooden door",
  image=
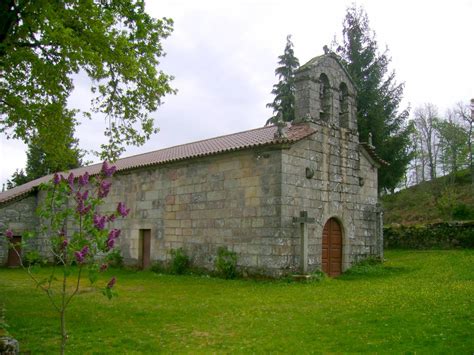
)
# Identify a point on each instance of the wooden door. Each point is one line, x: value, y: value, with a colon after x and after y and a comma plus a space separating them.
x: 145, y: 248
x: 14, y: 256
x: 332, y: 248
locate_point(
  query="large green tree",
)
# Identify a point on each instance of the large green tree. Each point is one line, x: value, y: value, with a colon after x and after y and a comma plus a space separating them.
x: 284, y: 90
x: 39, y: 163
x: 378, y: 97
x: 50, y: 151
x: 43, y: 43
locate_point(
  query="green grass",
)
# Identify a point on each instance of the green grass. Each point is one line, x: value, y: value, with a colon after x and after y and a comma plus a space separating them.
x: 441, y: 199
x: 418, y: 301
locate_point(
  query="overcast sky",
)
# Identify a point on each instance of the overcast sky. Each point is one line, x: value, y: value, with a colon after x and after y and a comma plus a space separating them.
x: 223, y: 55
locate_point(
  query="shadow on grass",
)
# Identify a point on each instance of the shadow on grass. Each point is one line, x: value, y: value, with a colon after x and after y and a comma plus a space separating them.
x: 374, y: 272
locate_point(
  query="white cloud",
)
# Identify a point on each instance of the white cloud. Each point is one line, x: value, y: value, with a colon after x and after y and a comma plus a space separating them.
x: 224, y: 53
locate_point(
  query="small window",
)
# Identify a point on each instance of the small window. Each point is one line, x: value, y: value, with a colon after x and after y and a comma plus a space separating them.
x: 325, y: 97
x: 343, y: 106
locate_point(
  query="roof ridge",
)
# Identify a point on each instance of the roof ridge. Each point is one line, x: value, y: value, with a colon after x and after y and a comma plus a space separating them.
x: 228, y: 142
x: 195, y: 142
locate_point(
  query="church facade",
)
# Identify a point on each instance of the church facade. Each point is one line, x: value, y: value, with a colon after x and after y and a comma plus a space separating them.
x: 244, y: 191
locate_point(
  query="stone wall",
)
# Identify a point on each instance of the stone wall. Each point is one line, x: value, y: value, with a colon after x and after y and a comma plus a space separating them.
x: 20, y: 217
x: 246, y: 200
x: 333, y: 191
x: 344, y: 185
x: 228, y: 200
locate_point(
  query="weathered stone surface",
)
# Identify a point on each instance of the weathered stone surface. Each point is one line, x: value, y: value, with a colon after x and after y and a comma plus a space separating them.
x: 246, y: 200
x: 9, y: 346
x: 20, y: 217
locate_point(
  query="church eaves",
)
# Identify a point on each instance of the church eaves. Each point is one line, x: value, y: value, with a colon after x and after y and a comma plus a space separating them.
x: 232, y: 142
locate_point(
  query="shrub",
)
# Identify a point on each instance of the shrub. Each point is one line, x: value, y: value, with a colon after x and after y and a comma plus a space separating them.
x: 73, y: 200
x: 158, y: 267
x: 462, y: 212
x: 318, y: 275
x: 32, y: 258
x: 115, y: 258
x: 226, y: 263
x: 179, y: 261
x: 439, y: 235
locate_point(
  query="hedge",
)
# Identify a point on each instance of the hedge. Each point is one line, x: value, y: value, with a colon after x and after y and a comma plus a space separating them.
x: 446, y: 235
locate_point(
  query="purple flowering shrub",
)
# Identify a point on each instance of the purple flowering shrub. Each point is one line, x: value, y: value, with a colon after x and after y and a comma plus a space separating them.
x: 80, y: 237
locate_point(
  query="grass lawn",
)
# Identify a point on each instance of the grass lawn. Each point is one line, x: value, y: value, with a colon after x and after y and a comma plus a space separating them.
x: 418, y: 301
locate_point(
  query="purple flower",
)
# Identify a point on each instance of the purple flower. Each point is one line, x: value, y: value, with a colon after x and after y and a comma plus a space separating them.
x: 99, y: 221
x: 9, y: 234
x: 114, y: 233
x: 79, y: 257
x: 111, y: 282
x: 63, y: 242
x: 82, y: 196
x: 104, y: 188
x: 108, y: 171
x: 82, y: 209
x: 70, y: 180
x: 110, y: 244
x: 103, y: 267
x: 84, y: 179
x: 122, y: 209
x: 56, y: 179
x: 85, y: 250
x: 111, y: 218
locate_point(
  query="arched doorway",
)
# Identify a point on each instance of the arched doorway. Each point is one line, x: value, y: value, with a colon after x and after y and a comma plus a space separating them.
x: 332, y: 248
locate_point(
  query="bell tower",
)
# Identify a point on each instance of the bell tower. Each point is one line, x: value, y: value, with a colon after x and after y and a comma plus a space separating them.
x: 325, y: 93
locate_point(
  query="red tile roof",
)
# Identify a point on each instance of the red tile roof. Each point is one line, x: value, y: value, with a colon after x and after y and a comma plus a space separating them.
x: 370, y: 149
x: 232, y: 142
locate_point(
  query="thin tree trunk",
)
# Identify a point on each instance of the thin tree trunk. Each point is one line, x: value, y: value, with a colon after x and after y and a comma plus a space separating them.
x: 63, y: 332
x: 63, y: 317
x: 469, y: 144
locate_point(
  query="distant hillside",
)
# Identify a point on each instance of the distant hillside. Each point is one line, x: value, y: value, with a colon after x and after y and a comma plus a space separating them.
x: 447, y: 198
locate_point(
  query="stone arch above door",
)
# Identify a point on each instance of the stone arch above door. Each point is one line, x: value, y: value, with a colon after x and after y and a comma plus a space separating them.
x: 331, y: 260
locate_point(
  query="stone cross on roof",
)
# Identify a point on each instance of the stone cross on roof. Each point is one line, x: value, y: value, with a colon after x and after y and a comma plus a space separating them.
x: 281, y: 125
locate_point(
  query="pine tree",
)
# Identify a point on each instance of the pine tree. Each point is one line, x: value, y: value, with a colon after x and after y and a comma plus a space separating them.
x: 378, y: 97
x: 284, y: 91
x: 18, y: 178
x: 39, y: 162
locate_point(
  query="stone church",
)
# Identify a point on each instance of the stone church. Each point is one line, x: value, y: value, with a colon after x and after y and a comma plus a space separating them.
x: 286, y: 198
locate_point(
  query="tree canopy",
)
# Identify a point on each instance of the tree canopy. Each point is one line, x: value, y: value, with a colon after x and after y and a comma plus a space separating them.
x: 378, y: 98
x: 284, y: 90
x: 39, y: 164
x: 452, y: 143
x: 115, y: 43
